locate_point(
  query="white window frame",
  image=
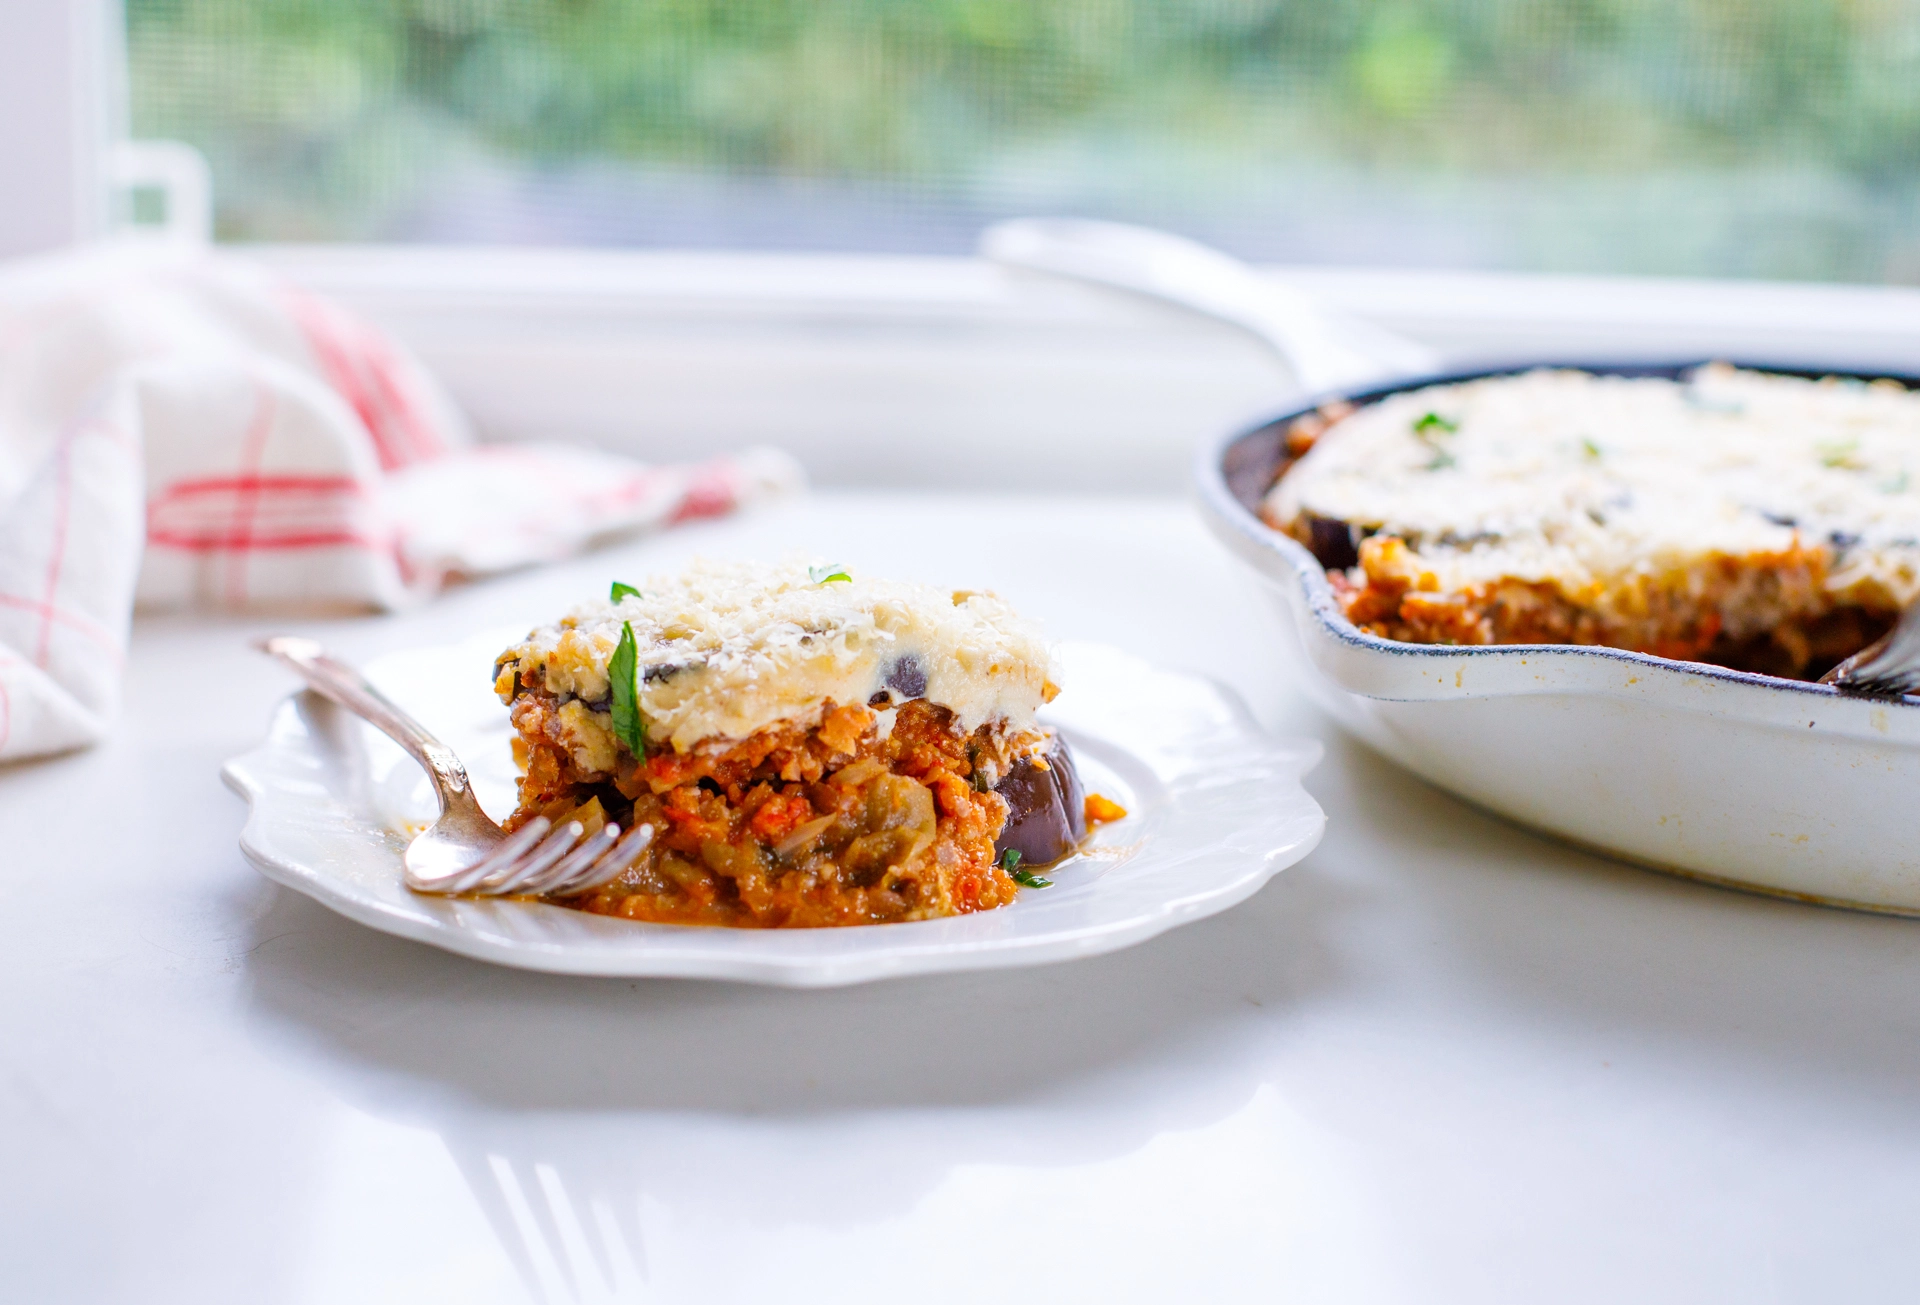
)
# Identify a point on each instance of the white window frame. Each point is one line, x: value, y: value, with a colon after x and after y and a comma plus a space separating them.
x: 61, y: 102
x: 927, y: 372
x: 948, y: 372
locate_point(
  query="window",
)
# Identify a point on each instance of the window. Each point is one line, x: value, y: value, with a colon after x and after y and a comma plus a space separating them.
x: 1753, y: 138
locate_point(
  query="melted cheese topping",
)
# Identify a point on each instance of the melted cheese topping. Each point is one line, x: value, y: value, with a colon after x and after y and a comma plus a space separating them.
x: 1584, y: 481
x: 727, y: 649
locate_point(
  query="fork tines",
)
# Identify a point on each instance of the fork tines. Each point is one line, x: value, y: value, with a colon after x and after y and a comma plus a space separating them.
x: 539, y: 859
x: 1886, y: 668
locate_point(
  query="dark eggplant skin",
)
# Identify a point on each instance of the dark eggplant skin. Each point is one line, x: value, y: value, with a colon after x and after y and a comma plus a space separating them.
x: 908, y: 678
x: 1334, y: 543
x: 1046, y: 809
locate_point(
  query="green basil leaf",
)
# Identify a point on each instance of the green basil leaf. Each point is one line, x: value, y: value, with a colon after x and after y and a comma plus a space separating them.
x: 823, y: 575
x: 620, y: 591
x: 623, y: 675
x: 1010, y: 862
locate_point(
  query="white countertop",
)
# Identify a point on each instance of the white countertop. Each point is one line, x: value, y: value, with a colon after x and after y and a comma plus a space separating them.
x: 1439, y: 1060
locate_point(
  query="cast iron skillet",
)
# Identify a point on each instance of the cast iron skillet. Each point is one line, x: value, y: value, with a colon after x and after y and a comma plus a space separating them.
x: 1777, y: 785
x: 1753, y: 781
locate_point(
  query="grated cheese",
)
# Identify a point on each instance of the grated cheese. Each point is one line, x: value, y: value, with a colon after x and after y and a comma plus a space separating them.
x: 729, y: 649
x: 1588, y: 482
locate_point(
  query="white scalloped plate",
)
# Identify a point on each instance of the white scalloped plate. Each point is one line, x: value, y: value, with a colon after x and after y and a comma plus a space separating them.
x: 1216, y: 809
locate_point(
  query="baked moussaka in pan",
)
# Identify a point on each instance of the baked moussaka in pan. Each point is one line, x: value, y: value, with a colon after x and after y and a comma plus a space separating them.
x: 1763, y: 522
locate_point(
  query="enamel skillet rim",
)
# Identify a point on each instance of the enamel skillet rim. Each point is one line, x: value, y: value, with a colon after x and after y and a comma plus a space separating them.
x: 1232, y: 475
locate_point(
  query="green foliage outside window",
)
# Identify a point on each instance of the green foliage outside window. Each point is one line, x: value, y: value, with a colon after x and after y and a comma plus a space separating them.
x: 1754, y: 137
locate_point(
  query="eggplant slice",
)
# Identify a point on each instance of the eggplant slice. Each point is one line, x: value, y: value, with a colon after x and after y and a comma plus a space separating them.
x: 1046, y: 808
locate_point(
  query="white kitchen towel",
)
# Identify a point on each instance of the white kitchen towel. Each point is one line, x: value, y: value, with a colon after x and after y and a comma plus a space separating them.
x: 185, y: 429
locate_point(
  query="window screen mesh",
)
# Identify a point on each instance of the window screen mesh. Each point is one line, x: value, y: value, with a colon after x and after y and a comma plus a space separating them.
x: 1775, y: 138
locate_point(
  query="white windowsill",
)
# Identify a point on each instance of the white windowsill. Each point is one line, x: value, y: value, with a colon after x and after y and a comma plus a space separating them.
x: 935, y: 371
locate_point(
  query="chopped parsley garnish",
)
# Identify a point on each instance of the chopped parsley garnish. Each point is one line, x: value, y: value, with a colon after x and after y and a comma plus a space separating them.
x: 629, y: 726
x: 1426, y: 429
x: 620, y: 591
x: 1010, y: 862
x: 1839, y: 453
x: 1593, y: 450
x: 826, y: 575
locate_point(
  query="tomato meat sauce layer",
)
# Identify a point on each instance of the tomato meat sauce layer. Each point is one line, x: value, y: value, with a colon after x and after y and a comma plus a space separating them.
x: 839, y: 823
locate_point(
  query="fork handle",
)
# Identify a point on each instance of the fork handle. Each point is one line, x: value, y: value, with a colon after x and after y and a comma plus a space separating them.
x: 335, y: 679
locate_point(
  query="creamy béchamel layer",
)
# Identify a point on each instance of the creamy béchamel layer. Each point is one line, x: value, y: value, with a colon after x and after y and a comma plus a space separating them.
x: 729, y: 649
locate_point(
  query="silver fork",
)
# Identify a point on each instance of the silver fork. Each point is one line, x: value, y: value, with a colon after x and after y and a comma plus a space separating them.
x: 464, y: 851
x: 1889, y: 667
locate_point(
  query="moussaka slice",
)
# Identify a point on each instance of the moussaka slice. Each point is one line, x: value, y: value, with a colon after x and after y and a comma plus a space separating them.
x: 810, y: 747
x: 1759, y: 521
